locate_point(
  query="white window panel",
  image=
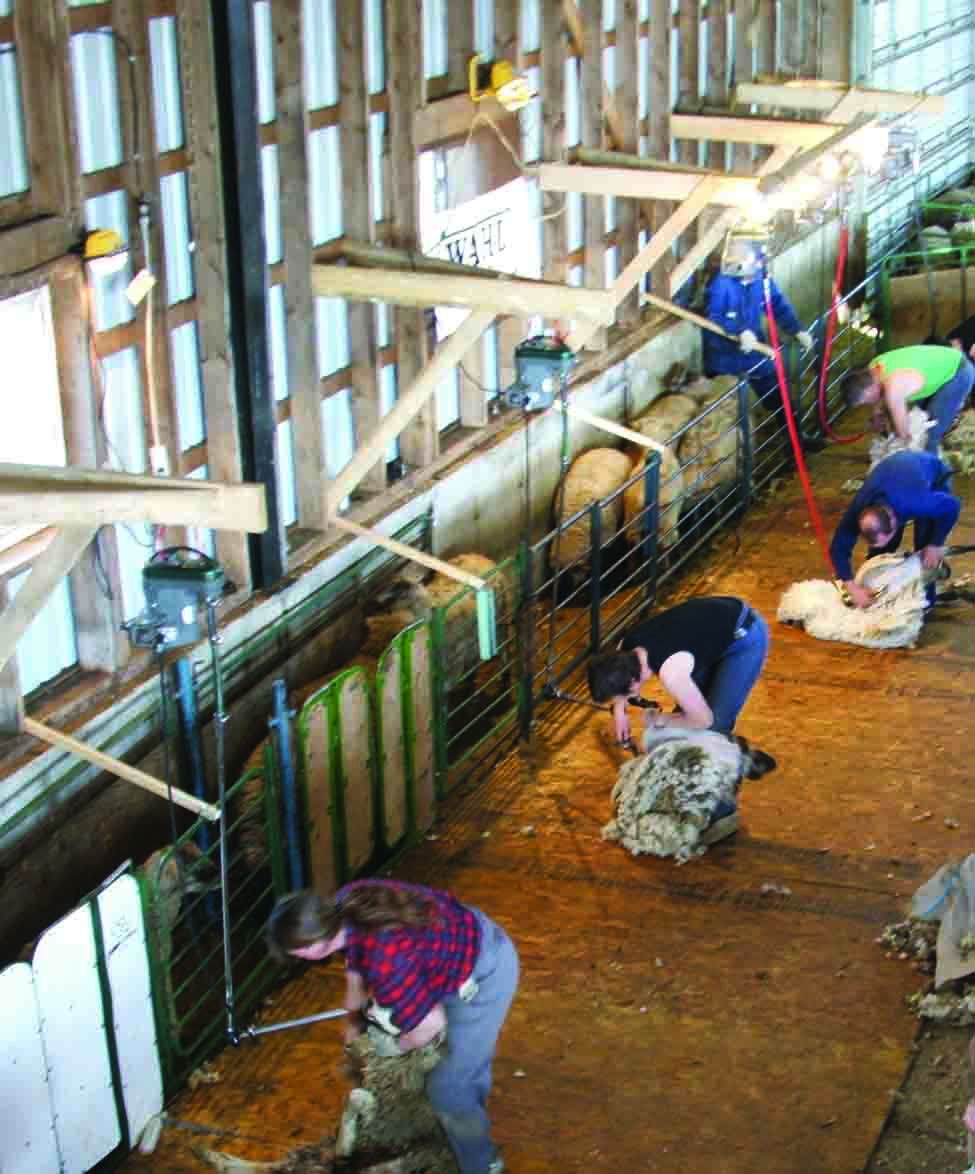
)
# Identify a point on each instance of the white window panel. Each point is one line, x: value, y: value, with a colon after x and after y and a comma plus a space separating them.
x: 6, y: 7
x: 484, y: 28
x: 287, y: 498
x: 271, y: 185
x: 529, y: 32
x: 643, y: 76
x: 574, y: 228
x: 177, y: 242
x: 167, y: 102
x: 14, y: 175
x: 264, y: 64
x: 48, y: 647
x: 95, y: 78
x: 609, y: 213
x: 375, y: 58
x: 609, y: 67
x: 111, y: 306
x: 448, y: 400
x: 383, y: 324
x: 643, y: 11
x: 609, y: 15
x: 576, y: 274
x: 611, y: 266
x: 435, y: 36
x: 331, y: 335
x: 490, y: 368
x: 530, y: 119
x: 318, y: 42
x: 572, y: 89
x: 387, y: 399
x: 198, y: 536
x: 278, y: 342
x: 190, y: 419
x: 325, y: 182
x: 377, y: 138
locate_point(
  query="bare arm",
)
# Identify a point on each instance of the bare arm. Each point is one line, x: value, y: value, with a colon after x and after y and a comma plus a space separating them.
x: 355, y: 1000
x: 897, y: 387
x: 427, y: 1029
x: 675, y: 676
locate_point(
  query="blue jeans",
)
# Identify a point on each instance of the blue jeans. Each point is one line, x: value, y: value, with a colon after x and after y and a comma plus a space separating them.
x: 946, y: 403
x: 735, y: 674
x: 458, y: 1087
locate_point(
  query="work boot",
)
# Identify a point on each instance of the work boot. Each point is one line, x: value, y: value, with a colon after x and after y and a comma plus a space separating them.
x: 724, y: 823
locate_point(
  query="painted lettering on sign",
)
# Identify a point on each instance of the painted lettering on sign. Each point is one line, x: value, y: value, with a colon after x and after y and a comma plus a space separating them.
x: 478, y: 244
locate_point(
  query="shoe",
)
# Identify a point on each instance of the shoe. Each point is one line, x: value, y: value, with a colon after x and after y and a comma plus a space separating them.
x: 724, y: 823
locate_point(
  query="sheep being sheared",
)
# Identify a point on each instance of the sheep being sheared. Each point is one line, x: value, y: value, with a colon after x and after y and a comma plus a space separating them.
x: 665, y: 799
x: 893, y: 620
x: 918, y: 423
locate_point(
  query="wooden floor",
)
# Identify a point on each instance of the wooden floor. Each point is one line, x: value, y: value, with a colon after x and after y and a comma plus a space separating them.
x: 671, y: 1018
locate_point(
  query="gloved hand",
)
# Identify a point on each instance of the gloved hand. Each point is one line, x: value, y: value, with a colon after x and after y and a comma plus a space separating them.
x: 805, y: 340
x: 747, y: 340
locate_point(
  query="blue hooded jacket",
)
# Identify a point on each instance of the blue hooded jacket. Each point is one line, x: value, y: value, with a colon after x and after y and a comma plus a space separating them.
x: 914, y: 485
x: 735, y: 305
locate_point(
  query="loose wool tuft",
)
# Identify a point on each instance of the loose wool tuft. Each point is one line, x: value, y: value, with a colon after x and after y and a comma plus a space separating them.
x: 959, y: 444
x: 893, y: 621
x: 665, y: 798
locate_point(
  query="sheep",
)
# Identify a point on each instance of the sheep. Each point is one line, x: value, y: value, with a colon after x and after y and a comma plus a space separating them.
x: 709, y: 449
x: 171, y: 875
x: 670, y: 490
x: 959, y: 443
x: 665, y: 798
x: 894, y: 620
x: 918, y: 423
x: 594, y: 475
x: 387, y: 1120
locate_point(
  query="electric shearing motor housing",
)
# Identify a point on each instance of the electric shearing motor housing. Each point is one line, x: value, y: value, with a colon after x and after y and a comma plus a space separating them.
x: 541, y: 364
x: 178, y: 583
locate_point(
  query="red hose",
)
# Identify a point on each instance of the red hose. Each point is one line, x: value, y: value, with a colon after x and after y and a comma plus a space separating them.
x: 793, y: 434
x: 830, y: 330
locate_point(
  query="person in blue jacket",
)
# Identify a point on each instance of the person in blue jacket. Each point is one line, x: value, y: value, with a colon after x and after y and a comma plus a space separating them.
x: 904, y: 487
x: 736, y: 303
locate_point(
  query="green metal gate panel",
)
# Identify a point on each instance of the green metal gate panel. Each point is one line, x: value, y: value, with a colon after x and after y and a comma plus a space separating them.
x: 358, y: 794
x: 420, y: 700
x: 316, y: 767
x: 393, y: 741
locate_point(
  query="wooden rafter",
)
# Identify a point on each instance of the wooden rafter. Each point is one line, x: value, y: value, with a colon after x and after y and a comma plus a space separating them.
x: 409, y: 552
x: 812, y: 96
x: 646, y: 182
x: 733, y: 128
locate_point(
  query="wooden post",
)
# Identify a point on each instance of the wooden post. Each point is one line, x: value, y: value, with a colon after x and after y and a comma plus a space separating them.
x: 405, y: 88
x: 464, y: 578
x: 202, y: 141
x: 552, y: 57
x: 591, y: 129
x: 11, y: 698
x: 627, y: 109
x: 837, y: 45
x: 717, y: 77
x: 304, y: 390
x: 688, y: 57
x: 101, y: 644
x: 659, y: 119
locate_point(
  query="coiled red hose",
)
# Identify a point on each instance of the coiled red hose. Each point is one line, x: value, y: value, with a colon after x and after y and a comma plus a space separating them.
x: 830, y: 331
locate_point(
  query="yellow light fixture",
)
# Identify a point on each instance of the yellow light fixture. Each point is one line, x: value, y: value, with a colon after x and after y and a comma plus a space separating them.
x: 498, y: 79
x: 104, y: 251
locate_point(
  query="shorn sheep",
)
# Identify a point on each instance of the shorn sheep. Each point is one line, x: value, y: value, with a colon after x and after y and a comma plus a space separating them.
x: 894, y: 620
x: 665, y: 798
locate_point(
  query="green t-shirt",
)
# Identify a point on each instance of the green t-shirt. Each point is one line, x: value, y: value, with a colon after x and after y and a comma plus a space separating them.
x: 937, y: 364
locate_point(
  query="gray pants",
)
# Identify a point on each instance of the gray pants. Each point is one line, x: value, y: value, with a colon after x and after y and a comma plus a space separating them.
x: 458, y: 1087
x: 946, y: 403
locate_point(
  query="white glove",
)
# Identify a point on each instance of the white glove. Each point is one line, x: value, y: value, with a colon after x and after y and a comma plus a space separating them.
x: 805, y: 340
x: 747, y: 340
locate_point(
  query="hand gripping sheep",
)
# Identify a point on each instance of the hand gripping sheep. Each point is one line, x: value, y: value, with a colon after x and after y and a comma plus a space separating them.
x: 666, y: 799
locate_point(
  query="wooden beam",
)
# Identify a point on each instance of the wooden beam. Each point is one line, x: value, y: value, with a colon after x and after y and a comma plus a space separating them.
x: 448, y: 120
x: 591, y: 135
x: 409, y: 552
x: 711, y: 238
x: 411, y: 401
x: 501, y: 295
x: 577, y: 413
x: 643, y: 183
x: 115, y: 766
x: 659, y: 100
x: 42, y: 495
x: 815, y: 97
x: 749, y: 129
x: 625, y: 105
x: 551, y: 68
x: 705, y: 323
x: 11, y: 696
x: 659, y: 243
x: 47, y: 572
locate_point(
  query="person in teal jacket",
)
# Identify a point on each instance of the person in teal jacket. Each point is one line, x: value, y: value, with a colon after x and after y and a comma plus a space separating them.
x: 937, y: 379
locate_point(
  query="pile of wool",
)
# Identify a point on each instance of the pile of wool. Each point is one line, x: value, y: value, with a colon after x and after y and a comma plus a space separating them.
x: 665, y: 798
x: 959, y: 443
x: 918, y: 423
x: 388, y: 1125
x: 893, y: 620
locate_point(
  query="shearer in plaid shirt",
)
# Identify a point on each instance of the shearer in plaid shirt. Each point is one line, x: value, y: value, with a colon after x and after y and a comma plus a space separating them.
x: 417, y: 962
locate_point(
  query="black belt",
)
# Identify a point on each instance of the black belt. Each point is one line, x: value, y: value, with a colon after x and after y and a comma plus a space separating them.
x: 745, y: 621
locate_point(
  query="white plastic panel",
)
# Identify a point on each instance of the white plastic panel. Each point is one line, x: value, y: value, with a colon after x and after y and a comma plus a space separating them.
x: 167, y: 101
x: 73, y: 1022
x: 264, y: 66
x: 14, y: 176
x: 339, y: 430
x: 127, y: 963
x: 94, y: 73
x: 318, y: 41
x: 190, y: 417
x: 27, y: 1141
x: 174, y: 205
x: 287, y: 500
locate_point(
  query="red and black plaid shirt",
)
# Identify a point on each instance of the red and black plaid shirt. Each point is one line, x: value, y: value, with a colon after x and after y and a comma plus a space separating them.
x: 411, y: 968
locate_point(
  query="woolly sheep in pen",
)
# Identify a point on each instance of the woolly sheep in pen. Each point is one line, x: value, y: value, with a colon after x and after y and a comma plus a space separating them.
x: 669, y: 494
x: 593, y: 475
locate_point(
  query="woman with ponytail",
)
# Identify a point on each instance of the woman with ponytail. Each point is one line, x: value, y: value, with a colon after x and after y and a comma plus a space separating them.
x: 417, y: 962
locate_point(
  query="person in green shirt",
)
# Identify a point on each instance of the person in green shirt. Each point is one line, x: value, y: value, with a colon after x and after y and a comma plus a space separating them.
x: 935, y: 378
